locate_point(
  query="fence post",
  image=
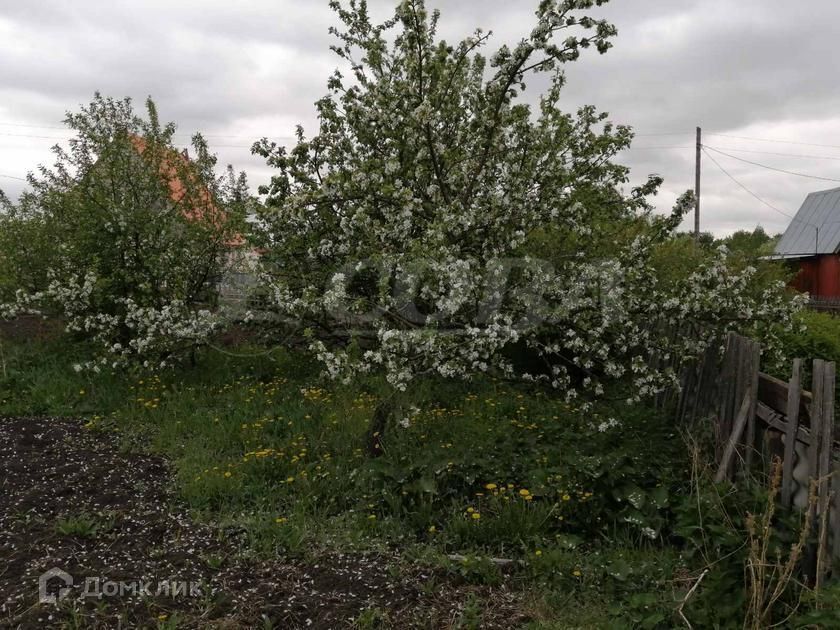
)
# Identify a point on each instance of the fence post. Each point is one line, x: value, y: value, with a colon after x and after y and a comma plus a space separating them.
x: 726, y: 412
x: 824, y: 467
x: 793, y: 401
x: 811, y: 557
x: 816, y: 419
x: 753, y: 366
x: 835, y: 505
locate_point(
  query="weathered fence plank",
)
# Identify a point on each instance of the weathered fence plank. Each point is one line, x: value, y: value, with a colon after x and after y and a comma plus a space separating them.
x: 793, y: 400
x: 816, y: 427
x: 740, y: 423
x: 725, y: 413
x: 776, y: 420
x: 824, y: 466
x: 774, y: 393
x: 835, y: 504
x: 753, y: 361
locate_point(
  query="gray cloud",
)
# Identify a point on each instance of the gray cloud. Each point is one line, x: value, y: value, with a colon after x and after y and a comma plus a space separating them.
x: 238, y: 71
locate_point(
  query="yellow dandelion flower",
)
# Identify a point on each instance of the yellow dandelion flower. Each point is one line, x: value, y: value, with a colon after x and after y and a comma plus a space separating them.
x: 524, y: 492
x: 228, y: 474
x: 538, y: 553
x: 566, y: 497
x: 490, y: 486
x: 475, y: 516
x: 576, y: 573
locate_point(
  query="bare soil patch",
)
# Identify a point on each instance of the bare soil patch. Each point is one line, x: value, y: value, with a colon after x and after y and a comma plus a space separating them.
x: 70, y: 499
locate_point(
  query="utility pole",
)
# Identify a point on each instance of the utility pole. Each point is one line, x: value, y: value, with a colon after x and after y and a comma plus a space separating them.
x: 697, y: 188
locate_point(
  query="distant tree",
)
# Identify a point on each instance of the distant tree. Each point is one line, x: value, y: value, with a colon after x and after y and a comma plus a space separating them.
x: 411, y: 223
x: 24, y: 250
x: 707, y: 239
x: 752, y: 244
x: 677, y: 258
x: 133, y: 235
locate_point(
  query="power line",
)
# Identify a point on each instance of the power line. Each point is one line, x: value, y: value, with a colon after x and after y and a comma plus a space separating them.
x: 749, y: 138
x: 4, y: 124
x: 26, y: 135
x: 212, y: 145
x: 224, y: 146
x: 773, y: 168
x: 730, y: 176
x: 652, y: 135
x: 737, y: 150
x: 753, y: 139
x: 23, y: 179
x: 182, y: 135
x: 662, y: 147
x: 796, y: 155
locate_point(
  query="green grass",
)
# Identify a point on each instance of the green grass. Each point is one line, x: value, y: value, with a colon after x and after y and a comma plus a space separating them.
x: 480, y: 469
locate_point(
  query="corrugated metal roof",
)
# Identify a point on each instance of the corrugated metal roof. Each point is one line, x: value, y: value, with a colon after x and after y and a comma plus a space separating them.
x: 816, y: 227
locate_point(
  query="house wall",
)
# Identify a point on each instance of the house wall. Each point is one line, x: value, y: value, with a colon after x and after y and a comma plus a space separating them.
x: 819, y: 276
x: 807, y: 279
x: 829, y: 276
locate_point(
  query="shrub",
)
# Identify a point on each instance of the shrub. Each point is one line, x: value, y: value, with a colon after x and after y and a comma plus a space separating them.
x: 131, y: 236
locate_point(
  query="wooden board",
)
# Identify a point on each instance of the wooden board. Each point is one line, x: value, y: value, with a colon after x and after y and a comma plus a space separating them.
x: 774, y: 393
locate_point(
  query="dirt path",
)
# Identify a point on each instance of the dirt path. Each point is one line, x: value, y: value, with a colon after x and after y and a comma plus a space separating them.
x: 69, y: 500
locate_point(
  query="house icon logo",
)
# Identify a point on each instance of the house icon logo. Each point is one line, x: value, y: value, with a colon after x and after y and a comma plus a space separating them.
x: 54, y: 575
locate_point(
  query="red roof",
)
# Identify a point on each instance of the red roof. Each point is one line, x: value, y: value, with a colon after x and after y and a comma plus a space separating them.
x: 204, y: 207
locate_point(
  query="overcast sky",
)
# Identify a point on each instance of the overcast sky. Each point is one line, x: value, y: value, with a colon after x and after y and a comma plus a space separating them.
x: 762, y: 70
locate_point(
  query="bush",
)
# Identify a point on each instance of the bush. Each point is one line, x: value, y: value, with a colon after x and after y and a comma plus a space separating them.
x: 130, y: 236
x: 819, y: 339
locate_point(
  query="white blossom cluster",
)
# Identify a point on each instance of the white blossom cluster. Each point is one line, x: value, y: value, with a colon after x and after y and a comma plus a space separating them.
x: 588, y: 324
x: 152, y: 336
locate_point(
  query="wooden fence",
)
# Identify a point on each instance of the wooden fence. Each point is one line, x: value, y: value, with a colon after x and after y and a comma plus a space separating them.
x: 759, y: 418
x: 828, y: 305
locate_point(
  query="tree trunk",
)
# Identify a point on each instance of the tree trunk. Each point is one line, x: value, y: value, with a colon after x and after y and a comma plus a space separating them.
x: 373, y: 440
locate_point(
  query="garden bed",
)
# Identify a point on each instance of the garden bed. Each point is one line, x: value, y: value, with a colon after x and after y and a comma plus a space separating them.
x: 71, y: 499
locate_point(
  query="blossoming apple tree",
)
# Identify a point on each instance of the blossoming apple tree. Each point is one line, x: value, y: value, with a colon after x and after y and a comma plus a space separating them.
x: 438, y: 223
x: 131, y: 235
